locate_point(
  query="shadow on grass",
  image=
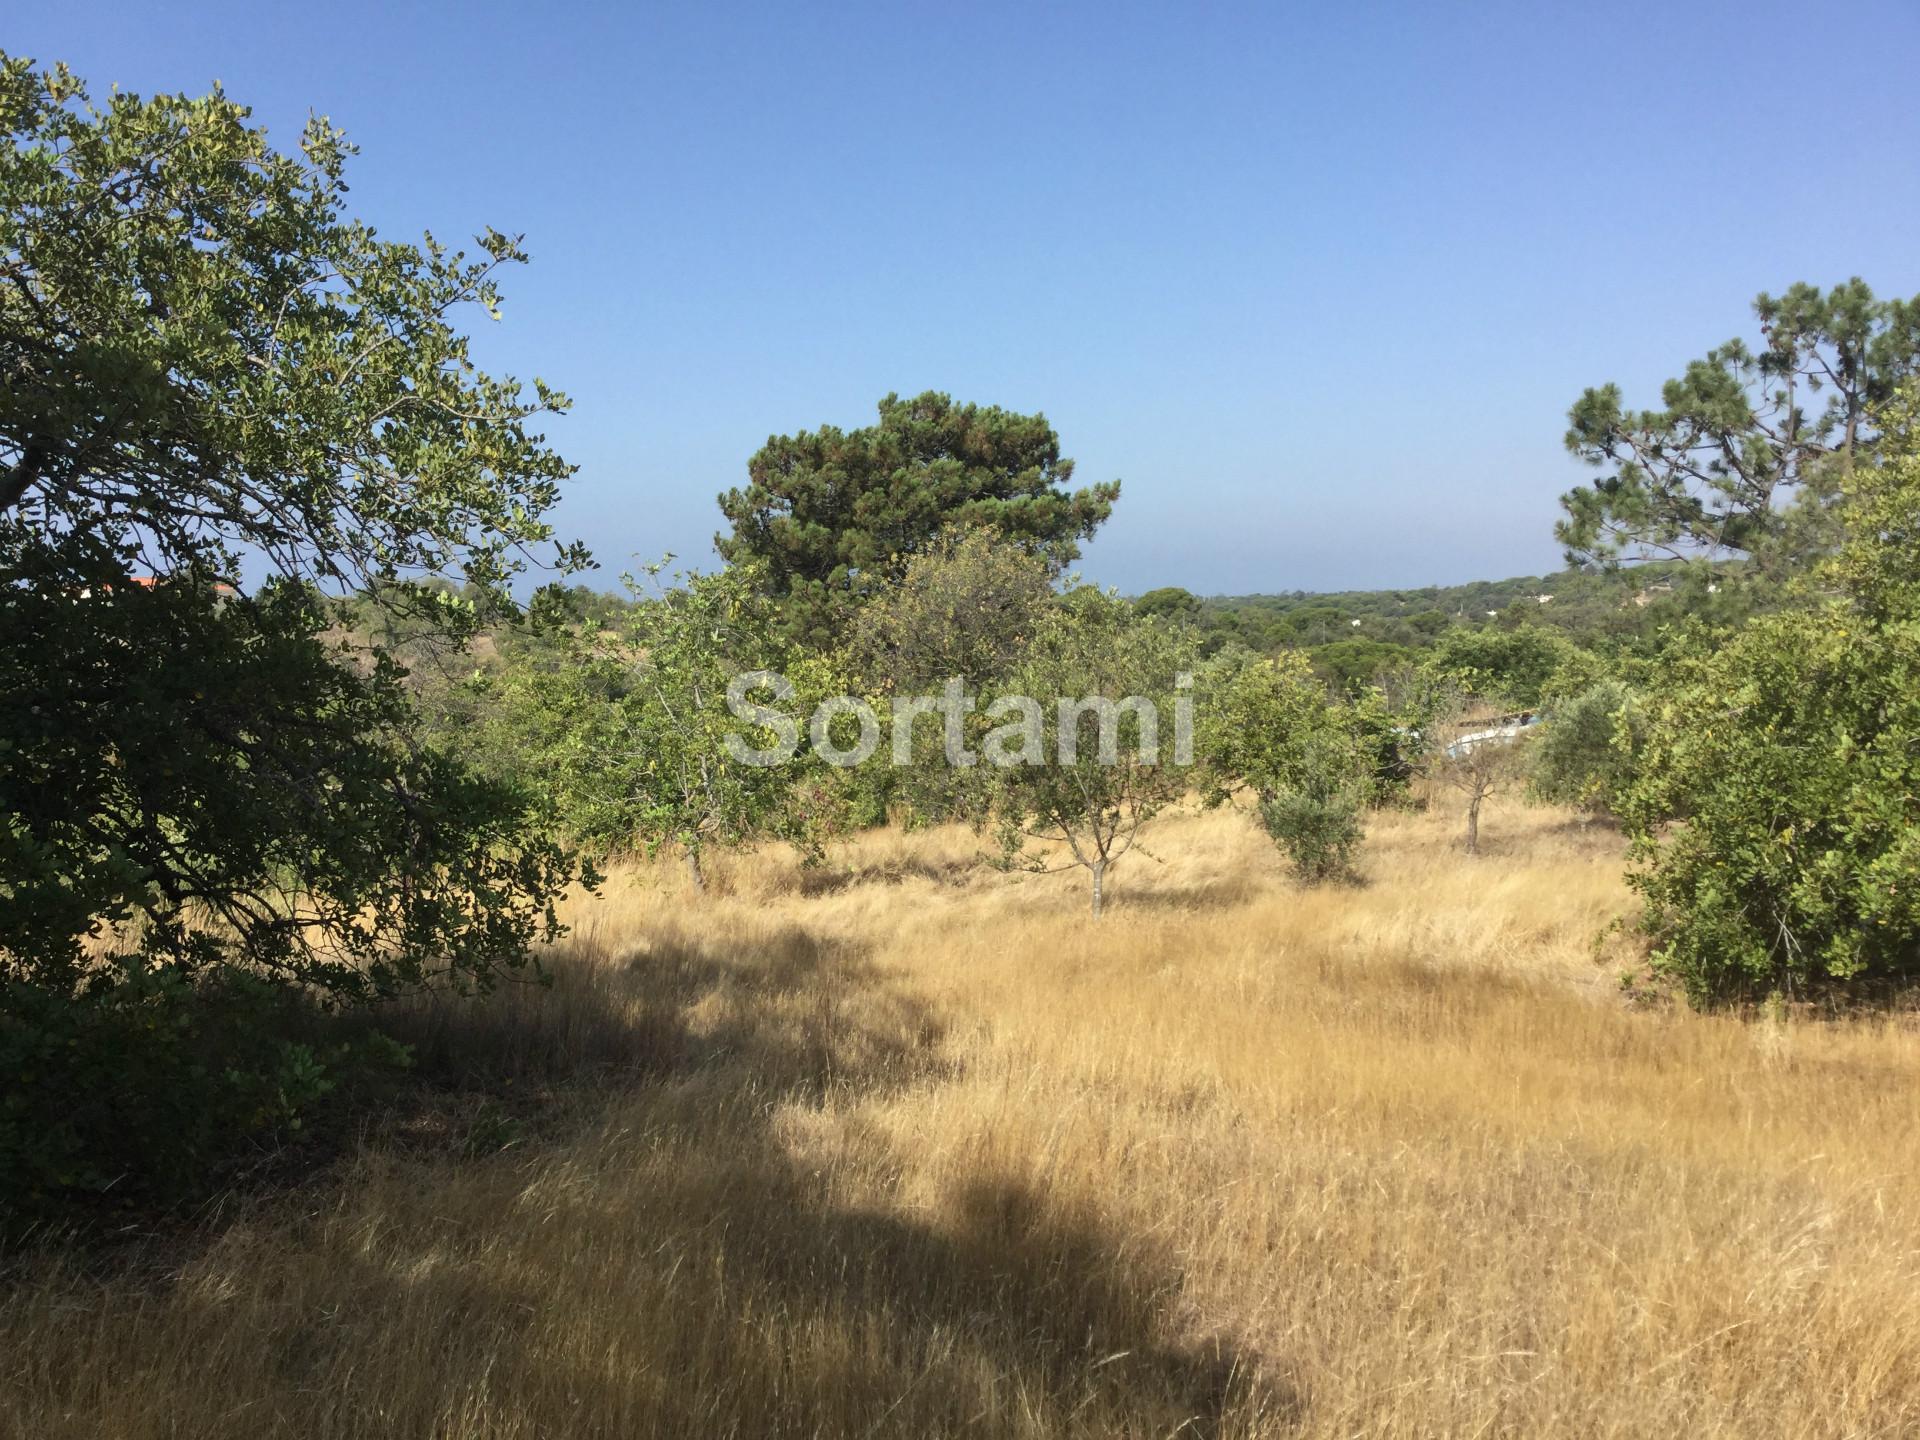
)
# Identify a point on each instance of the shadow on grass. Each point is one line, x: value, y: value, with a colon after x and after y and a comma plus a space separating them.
x: 709, y: 1280
x: 831, y: 880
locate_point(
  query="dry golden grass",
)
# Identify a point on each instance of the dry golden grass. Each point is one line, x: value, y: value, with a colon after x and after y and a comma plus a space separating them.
x: 911, y: 1148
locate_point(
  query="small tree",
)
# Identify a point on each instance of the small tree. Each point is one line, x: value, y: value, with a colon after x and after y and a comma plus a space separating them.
x: 1478, y: 755
x: 1585, y: 752
x: 1392, y: 722
x: 1317, y: 821
x: 631, y: 730
x: 1268, y: 726
x: 1110, y: 678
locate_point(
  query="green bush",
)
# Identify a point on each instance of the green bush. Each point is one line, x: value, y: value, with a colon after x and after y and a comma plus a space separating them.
x: 142, y: 1088
x: 1777, y: 826
x: 1585, y: 755
x: 1776, y: 819
x: 1318, y: 826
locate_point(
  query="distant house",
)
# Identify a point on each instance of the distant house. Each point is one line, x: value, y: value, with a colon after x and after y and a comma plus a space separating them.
x: 1503, y: 729
x: 1544, y: 599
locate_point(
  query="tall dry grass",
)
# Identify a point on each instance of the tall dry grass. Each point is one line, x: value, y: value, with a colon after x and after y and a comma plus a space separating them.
x: 907, y: 1147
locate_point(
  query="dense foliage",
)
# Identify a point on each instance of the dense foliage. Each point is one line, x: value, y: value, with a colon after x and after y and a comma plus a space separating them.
x: 832, y: 515
x: 1268, y: 727
x: 1587, y: 752
x: 1777, y: 818
x: 204, y: 788
x: 628, y: 724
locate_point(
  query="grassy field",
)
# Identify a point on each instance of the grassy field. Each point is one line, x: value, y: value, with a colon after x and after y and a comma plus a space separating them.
x: 908, y: 1147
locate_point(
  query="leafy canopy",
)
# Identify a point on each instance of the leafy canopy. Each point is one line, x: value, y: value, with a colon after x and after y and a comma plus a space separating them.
x: 833, y: 515
x: 204, y: 355
x: 1270, y: 727
x: 1122, y: 762
x: 1776, y: 814
x: 628, y: 724
x: 207, y: 362
x: 1740, y: 433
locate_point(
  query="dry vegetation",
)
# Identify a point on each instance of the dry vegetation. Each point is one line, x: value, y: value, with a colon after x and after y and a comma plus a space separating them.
x: 912, y: 1148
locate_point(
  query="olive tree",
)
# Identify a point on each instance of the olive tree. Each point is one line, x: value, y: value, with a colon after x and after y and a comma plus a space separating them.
x: 1478, y: 752
x: 1269, y: 727
x: 1585, y: 754
x: 1090, y: 744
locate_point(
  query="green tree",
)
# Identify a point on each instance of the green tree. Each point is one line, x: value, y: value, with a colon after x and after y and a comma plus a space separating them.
x: 1776, y: 818
x: 964, y: 611
x: 1475, y: 754
x: 833, y: 515
x: 1088, y: 751
x: 964, y: 608
x: 1392, y: 723
x: 630, y: 727
x: 204, y: 356
x: 206, y: 359
x: 1170, y: 601
x: 1351, y: 664
x: 1741, y: 433
x: 1519, y: 665
x: 1268, y: 726
x: 1585, y: 755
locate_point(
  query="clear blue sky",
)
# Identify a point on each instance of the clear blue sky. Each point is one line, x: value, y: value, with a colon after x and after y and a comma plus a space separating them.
x: 1317, y: 282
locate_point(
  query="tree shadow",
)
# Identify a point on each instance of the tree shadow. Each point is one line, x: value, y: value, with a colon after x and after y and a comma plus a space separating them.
x: 829, y: 880
x: 1002, y: 1305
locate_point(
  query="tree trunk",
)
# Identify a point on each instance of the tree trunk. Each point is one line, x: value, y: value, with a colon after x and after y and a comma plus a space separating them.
x: 694, y: 872
x: 1099, y: 868
x: 1473, y: 825
x: 15, y: 483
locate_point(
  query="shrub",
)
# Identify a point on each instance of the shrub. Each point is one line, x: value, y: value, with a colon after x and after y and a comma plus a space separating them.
x: 1268, y: 727
x: 1585, y: 754
x: 1318, y: 826
x: 144, y: 1087
x: 1776, y: 821
x: 1777, y: 826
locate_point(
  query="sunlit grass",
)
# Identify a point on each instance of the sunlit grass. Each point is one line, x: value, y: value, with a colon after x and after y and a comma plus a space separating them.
x: 909, y: 1147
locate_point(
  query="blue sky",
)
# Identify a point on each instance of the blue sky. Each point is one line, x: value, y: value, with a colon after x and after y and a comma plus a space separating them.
x: 1316, y: 282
